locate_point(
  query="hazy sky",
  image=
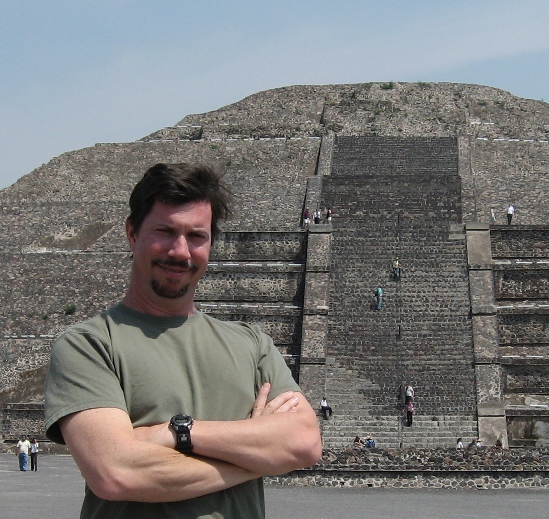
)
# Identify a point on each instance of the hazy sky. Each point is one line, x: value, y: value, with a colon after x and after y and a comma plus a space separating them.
x: 77, y: 72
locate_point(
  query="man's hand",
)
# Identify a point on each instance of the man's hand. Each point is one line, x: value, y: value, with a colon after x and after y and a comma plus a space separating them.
x: 284, y: 403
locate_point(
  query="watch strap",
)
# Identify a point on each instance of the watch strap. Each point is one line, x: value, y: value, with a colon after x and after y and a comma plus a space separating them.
x: 182, y: 425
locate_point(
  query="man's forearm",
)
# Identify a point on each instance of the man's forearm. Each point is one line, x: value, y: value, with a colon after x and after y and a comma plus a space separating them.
x: 269, y: 445
x: 118, y: 466
x: 281, y: 436
x: 171, y: 476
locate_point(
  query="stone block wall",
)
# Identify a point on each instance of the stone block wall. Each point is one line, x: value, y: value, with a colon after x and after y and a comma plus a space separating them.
x: 21, y: 358
x: 41, y: 287
x: 527, y: 379
x: 66, y: 256
x: 522, y: 283
x: 521, y: 295
x: 263, y: 246
x: 263, y: 286
x: 519, y: 242
x: 20, y: 419
x: 509, y: 169
x: 523, y: 329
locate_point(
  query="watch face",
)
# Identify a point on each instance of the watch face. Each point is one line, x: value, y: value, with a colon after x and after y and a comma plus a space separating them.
x: 182, y: 419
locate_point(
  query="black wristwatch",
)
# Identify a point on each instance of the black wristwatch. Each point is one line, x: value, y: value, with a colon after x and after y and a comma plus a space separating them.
x: 182, y: 425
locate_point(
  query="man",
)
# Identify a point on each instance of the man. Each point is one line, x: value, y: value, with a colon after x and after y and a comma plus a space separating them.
x: 23, y: 446
x: 316, y: 215
x: 168, y: 412
x: 396, y: 269
x: 510, y: 213
x: 379, y: 298
x: 325, y: 408
x: 306, y: 218
x: 408, y: 394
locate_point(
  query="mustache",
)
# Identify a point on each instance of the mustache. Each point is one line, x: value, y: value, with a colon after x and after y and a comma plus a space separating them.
x: 175, y: 263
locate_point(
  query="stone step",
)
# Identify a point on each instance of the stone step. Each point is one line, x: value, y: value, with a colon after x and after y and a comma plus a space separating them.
x: 395, y: 423
x: 423, y: 333
x: 397, y: 436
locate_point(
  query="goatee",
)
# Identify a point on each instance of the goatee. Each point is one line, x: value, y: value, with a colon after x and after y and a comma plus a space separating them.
x: 170, y: 293
x: 165, y: 291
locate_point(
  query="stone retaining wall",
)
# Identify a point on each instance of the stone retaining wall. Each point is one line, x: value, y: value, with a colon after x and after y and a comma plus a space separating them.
x: 485, y: 468
x: 23, y: 419
x: 524, y: 328
x: 260, y: 246
x: 519, y: 242
x: 522, y: 283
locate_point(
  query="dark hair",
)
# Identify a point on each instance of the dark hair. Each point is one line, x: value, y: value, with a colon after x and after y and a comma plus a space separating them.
x: 176, y: 184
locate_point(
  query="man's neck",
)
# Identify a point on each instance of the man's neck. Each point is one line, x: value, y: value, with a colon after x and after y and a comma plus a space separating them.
x: 180, y: 307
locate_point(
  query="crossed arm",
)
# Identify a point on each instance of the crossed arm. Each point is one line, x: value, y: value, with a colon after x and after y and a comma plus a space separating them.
x: 119, y: 462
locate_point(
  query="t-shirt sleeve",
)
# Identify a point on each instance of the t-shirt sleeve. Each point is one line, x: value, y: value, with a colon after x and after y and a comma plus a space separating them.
x: 272, y: 367
x: 81, y: 376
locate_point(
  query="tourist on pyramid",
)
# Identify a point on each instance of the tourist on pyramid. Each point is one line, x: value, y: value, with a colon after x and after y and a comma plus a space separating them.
x: 379, y: 298
x: 306, y: 217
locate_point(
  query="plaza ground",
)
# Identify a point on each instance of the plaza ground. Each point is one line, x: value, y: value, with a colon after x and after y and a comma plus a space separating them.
x: 56, y: 491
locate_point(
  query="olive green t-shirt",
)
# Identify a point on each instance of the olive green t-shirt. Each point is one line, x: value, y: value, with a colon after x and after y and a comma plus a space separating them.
x: 156, y: 367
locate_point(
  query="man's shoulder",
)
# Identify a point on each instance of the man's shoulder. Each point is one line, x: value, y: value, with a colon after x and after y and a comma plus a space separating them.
x: 239, y: 334
x: 97, y: 322
x: 96, y: 326
x: 234, y: 326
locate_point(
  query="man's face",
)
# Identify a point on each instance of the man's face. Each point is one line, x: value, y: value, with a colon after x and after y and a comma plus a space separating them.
x: 171, y: 252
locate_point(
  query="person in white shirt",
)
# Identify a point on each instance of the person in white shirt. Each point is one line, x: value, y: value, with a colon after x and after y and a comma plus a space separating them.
x: 510, y: 213
x: 23, y: 446
x: 409, y: 394
x: 316, y: 216
x: 325, y: 408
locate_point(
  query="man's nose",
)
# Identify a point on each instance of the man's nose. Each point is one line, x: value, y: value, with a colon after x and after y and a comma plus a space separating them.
x: 180, y: 248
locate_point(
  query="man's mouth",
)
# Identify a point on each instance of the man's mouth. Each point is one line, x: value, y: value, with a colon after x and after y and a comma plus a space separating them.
x: 176, y: 266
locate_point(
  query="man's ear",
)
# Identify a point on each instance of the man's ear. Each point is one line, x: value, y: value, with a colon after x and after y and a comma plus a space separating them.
x: 130, y: 233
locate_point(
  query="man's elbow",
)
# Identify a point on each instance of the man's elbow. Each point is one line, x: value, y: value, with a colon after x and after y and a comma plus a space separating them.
x: 112, y: 484
x: 306, y: 449
x: 308, y: 442
x: 310, y: 450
